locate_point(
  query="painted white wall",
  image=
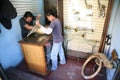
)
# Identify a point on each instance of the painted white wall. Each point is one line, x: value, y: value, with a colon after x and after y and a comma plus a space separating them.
x: 114, y: 30
x: 10, y: 50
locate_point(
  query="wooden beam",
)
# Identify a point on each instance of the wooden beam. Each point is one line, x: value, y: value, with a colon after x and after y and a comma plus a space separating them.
x: 106, y: 25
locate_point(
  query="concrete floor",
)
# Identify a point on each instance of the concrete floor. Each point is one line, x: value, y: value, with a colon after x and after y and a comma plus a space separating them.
x: 70, y: 71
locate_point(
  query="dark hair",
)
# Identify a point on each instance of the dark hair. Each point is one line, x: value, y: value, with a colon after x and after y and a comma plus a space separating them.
x: 52, y: 12
x: 28, y: 14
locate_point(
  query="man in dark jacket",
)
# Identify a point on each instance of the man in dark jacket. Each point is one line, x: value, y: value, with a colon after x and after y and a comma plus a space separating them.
x: 26, y: 23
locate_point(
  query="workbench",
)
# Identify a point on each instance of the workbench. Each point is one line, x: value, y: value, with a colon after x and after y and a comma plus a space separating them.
x: 34, y: 52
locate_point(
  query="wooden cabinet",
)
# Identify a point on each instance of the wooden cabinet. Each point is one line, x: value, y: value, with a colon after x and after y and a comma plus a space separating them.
x: 34, y: 55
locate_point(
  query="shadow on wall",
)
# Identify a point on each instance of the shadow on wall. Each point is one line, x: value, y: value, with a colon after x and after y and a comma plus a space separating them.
x: 10, y: 51
x: 7, y: 12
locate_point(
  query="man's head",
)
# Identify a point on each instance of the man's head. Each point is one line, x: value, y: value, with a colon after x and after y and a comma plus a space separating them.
x: 51, y: 14
x: 28, y: 16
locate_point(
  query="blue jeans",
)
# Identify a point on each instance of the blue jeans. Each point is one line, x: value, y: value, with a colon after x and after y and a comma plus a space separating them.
x: 57, y: 49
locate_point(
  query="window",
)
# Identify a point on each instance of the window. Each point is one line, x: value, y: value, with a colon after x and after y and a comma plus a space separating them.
x: 25, y: 5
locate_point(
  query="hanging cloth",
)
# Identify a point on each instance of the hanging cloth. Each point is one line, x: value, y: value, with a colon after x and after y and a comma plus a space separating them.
x: 7, y: 12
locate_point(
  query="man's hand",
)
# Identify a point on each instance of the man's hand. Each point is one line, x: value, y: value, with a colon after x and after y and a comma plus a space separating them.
x: 37, y: 23
x: 38, y: 16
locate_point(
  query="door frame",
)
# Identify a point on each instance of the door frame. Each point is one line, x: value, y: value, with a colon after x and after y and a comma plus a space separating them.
x: 106, y: 26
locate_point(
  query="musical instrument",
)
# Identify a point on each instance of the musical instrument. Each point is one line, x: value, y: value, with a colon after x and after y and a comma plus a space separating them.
x: 100, y: 60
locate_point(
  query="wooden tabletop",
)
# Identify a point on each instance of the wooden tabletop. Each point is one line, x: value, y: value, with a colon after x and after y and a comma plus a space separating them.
x: 36, y: 39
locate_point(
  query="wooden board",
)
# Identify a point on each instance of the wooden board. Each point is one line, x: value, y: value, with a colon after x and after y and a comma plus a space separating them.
x: 35, y: 58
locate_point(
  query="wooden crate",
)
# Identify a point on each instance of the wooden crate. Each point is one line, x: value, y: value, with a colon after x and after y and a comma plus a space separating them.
x: 35, y: 57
